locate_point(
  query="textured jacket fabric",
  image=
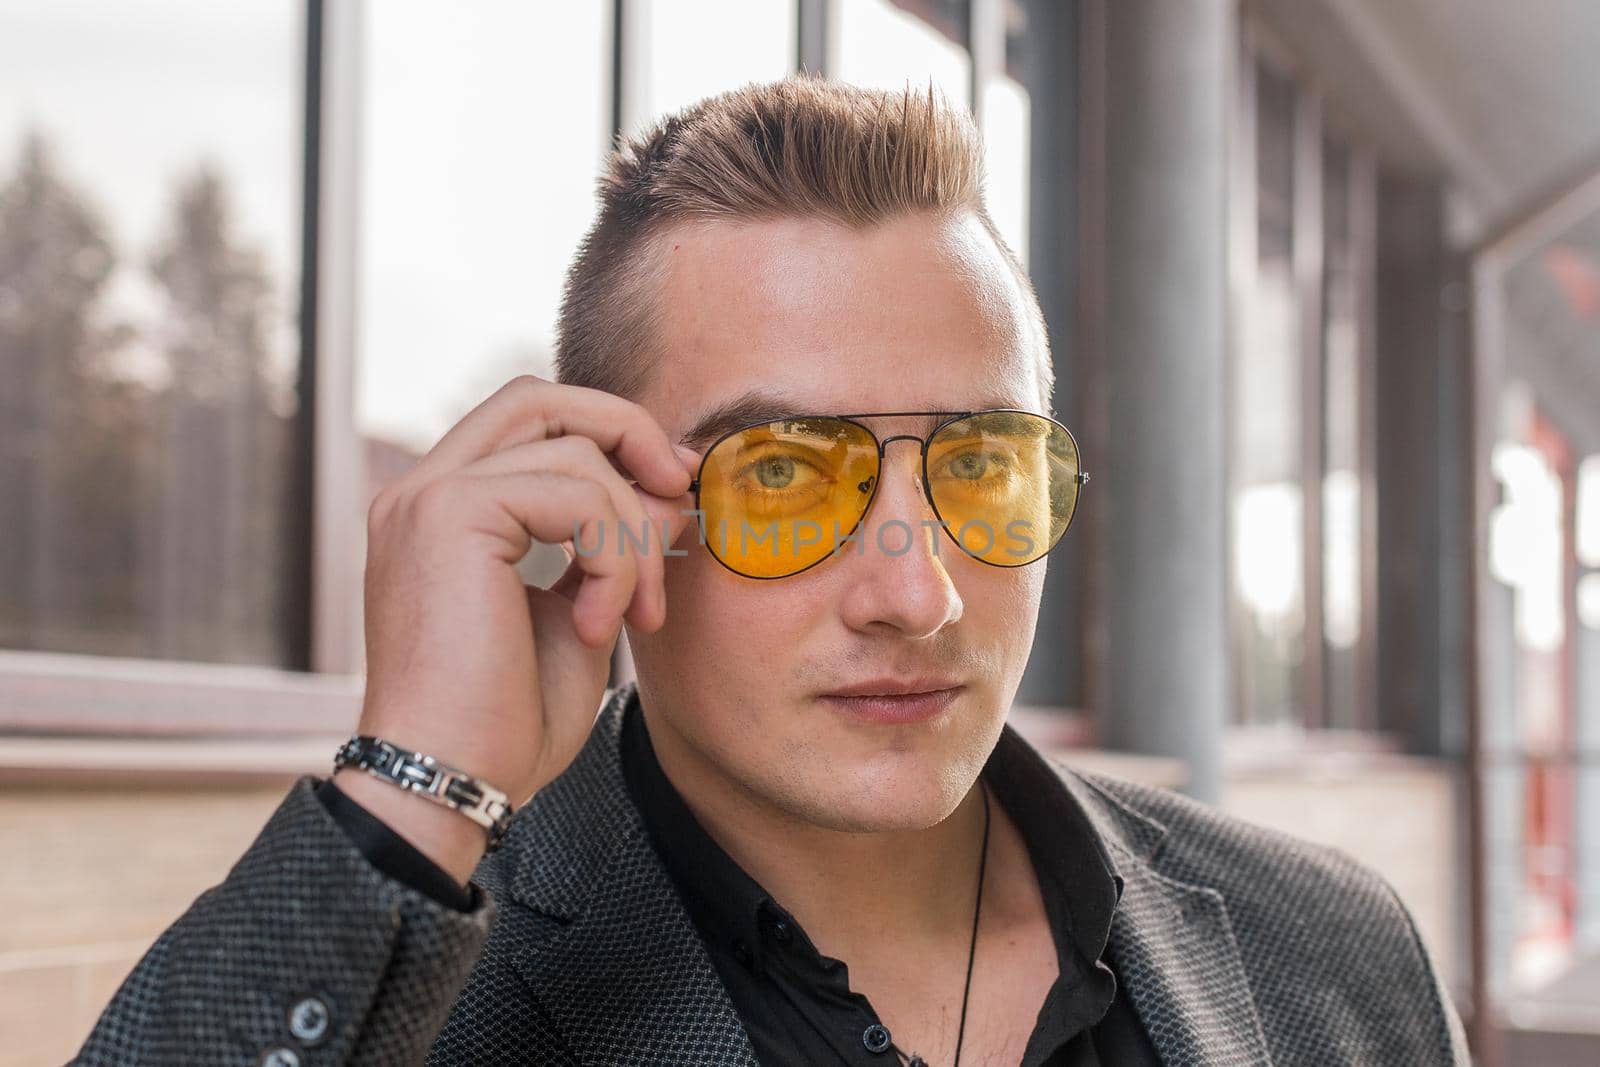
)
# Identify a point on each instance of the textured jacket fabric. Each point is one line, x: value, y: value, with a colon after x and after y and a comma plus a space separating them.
x: 1237, y: 945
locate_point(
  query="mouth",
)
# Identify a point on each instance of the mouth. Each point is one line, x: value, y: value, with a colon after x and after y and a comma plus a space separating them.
x: 894, y: 702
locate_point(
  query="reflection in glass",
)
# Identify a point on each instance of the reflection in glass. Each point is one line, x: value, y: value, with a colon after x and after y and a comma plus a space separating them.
x: 1268, y: 530
x: 148, y: 277
x: 1341, y: 429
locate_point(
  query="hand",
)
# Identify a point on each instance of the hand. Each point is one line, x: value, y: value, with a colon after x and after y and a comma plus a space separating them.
x: 465, y: 662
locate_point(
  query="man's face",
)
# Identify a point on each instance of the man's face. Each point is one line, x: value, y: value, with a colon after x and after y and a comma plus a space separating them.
x: 915, y: 315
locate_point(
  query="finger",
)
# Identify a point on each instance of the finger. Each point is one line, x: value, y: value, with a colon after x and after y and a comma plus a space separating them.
x: 671, y: 516
x: 581, y: 457
x: 528, y: 408
x: 567, y: 585
x: 690, y: 459
x: 547, y: 505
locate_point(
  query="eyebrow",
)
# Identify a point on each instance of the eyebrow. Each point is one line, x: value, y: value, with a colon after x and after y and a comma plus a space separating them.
x: 753, y: 407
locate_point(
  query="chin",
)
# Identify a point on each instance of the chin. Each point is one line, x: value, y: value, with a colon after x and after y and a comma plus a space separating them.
x: 898, y: 792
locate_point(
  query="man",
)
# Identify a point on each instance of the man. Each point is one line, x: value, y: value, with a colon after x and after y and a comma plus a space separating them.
x: 806, y: 835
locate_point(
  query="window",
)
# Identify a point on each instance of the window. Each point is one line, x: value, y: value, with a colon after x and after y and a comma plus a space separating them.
x: 151, y: 293
x: 476, y: 189
x: 1538, y: 287
x: 1005, y: 117
x: 1266, y: 463
x: 150, y: 157
x: 1300, y: 485
x: 1347, y: 602
x: 884, y: 45
x: 486, y: 124
x: 696, y: 48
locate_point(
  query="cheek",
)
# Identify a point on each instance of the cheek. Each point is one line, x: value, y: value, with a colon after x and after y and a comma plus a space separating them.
x: 725, y: 632
x: 1002, y: 607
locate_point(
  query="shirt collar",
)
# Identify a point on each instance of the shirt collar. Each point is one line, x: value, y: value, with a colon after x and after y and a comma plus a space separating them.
x: 724, y: 900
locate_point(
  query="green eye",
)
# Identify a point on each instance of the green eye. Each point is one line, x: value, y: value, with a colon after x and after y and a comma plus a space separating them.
x: 775, y: 472
x: 970, y: 465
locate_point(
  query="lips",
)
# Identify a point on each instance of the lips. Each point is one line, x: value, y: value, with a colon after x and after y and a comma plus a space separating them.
x: 895, y: 702
x: 894, y: 687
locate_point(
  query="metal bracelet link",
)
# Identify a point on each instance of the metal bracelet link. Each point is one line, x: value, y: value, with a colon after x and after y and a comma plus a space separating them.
x: 439, y: 782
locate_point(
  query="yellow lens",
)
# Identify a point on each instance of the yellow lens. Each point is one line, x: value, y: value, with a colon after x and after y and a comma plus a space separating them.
x: 1005, y: 483
x: 780, y: 497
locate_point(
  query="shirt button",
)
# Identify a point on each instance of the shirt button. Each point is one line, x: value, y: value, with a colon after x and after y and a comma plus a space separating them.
x: 781, y: 931
x: 741, y: 952
x: 875, y: 1037
x: 279, y: 1057
x: 308, y: 1020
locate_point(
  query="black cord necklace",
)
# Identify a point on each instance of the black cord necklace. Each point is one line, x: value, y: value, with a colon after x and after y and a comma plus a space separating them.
x: 977, y: 909
x: 972, y: 949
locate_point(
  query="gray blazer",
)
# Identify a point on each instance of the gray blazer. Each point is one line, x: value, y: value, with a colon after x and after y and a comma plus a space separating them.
x: 1238, y: 945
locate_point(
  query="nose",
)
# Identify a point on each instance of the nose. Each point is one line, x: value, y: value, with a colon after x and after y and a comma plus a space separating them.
x: 897, y: 577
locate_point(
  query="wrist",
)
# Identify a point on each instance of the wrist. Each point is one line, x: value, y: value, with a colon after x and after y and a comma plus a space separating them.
x: 445, y: 836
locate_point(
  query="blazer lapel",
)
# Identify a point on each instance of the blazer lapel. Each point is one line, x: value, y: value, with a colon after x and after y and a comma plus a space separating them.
x: 1173, y: 946
x: 624, y: 975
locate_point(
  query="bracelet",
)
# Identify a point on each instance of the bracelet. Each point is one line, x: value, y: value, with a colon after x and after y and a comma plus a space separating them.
x: 440, y: 783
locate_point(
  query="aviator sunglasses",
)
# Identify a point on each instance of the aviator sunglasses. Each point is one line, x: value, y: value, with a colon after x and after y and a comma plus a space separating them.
x: 780, y: 496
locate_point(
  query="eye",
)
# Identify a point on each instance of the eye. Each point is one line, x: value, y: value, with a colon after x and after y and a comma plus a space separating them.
x: 969, y: 465
x: 785, y: 471
x: 775, y: 472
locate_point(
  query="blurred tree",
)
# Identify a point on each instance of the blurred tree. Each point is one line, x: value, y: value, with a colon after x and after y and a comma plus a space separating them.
x: 223, y: 452
x: 55, y: 261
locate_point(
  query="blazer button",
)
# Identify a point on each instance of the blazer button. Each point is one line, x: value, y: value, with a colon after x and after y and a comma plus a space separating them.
x: 875, y: 1037
x: 279, y: 1057
x: 308, y: 1020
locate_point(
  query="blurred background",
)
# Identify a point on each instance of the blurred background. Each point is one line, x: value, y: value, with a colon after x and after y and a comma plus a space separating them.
x: 1323, y: 285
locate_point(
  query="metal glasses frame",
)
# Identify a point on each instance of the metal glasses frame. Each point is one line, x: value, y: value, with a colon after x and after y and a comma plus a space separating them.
x: 924, y: 441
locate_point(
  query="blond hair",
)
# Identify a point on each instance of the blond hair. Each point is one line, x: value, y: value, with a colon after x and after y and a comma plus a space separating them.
x: 802, y: 147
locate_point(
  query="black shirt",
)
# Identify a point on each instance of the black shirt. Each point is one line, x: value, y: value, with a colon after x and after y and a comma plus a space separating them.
x: 797, y: 1005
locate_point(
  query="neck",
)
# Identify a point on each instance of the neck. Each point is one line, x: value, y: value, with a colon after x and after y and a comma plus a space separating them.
x: 850, y: 891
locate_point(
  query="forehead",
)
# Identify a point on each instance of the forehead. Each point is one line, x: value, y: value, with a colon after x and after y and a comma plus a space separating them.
x: 915, y: 314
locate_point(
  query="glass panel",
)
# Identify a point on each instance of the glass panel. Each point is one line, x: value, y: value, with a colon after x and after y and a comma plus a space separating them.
x: 1529, y: 552
x: 1005, y: 139
x: 1341, y: 427
x: 486, y: 126
x: 1007, y: 132
x: 883, y: 45
x: 150, y: 158
x: 1588, y: 510
x: 476, y: 191
x: 1267, y: 506
x: 1540, y: 659
x: 700, y: 47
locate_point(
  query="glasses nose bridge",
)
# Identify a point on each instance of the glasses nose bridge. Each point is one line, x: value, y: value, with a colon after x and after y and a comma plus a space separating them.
x: 884, y: 443
x: 922, y: 445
